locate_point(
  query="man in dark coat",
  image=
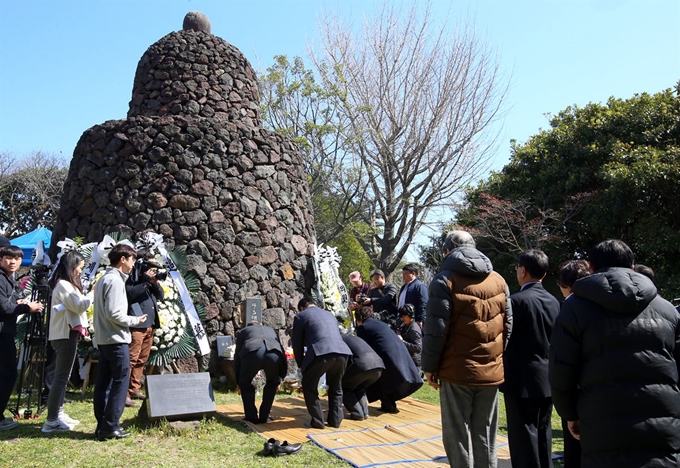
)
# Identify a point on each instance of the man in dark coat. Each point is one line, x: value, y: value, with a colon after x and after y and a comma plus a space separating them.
x: 413, y: 292
x: 400, y: 377
x: 382, y: 298
x: 614, y: 358
x: 143, y: 291
x: 258, y: 347
x: 318, y: 331
x: 528, y: 404
x: 363, y: 369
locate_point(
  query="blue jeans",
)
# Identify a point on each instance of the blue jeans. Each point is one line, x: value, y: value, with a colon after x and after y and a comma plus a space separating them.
x: 110, y: 390
x: 8, y: 370
x: 469, y: 418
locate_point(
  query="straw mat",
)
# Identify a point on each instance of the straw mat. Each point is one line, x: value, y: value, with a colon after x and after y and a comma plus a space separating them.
x: 411, y: 438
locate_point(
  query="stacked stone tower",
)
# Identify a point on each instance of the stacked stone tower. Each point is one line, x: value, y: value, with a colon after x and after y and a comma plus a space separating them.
x: 192, y: 162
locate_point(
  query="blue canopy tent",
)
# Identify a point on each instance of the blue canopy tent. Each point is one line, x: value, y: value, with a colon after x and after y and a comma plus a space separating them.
x: 28, y: 241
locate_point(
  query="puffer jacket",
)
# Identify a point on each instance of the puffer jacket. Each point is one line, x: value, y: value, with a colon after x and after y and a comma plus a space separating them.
x: 468, y: 321
x: 9, y: 309
x: 614, y: 357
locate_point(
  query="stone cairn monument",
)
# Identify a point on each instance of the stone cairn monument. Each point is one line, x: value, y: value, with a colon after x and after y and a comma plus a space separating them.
x: 192, y: 162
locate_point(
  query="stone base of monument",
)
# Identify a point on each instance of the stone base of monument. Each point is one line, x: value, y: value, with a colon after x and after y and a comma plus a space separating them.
x: 178, y: 397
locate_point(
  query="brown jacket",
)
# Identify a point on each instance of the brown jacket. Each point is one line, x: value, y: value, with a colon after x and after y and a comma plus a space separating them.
x: 468, y: 321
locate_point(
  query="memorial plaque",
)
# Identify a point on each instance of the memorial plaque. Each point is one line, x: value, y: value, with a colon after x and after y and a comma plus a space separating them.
x: 253, y: 310
x: 180, y: 396
x: 223, y: 344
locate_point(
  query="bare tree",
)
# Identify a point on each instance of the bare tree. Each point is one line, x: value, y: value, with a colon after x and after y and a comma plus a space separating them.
x: 418, y: 100
x: 30, y: 191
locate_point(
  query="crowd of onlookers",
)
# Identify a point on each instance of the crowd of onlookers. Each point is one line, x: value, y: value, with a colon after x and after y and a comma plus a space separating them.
x: 607, y: 357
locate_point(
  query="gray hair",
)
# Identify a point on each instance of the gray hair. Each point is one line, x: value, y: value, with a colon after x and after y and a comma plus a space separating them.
x: 457, y: 239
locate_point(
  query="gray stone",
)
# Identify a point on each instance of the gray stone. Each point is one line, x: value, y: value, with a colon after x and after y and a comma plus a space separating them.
x: 258, y: 273
x: 274, y: 318
x: 192, y: 162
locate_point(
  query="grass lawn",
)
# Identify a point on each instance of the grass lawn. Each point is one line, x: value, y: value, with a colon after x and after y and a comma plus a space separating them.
x: 216, y: 442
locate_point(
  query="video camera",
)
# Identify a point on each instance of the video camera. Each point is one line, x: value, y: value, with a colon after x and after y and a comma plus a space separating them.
x: 143, y: 265
x: 389, y: 319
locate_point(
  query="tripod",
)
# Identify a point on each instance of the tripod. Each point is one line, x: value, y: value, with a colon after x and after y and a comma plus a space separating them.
x: 33, y: 350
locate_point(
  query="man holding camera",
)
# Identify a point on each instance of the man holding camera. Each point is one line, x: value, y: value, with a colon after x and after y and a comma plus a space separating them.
x: 143, y: 290
x: 382, y: 298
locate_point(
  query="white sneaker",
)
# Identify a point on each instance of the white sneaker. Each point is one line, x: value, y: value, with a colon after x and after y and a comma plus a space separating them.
x: 68, y: 420
x: 7, y: 424
x: 55, y: 426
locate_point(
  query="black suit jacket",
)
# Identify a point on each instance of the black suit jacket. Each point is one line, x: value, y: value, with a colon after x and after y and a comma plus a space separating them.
x: 400, y: 371
x: 417, y: 295
x: 254, y: 337
x: 534, y: 312
x: 318, y: 330
x: 363, y: 358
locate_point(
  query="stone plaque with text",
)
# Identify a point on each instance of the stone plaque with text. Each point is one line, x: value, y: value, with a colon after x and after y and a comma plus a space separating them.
x: 180, y: 396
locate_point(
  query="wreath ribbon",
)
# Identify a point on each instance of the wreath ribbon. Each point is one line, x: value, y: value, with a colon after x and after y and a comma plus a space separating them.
x: 192, y: 314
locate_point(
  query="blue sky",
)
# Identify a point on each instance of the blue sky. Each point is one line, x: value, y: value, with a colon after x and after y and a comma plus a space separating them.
x: 66, y: 65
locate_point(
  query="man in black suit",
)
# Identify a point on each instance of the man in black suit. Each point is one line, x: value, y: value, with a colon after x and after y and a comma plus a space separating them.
x: 528, y: 402
x: 400, y: 377
x: 258, y: 347
x: 363, y: 369
x: 317, y: 330
x: 413, y: 292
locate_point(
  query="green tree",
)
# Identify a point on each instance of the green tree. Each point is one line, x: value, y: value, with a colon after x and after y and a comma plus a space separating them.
x: 601, y: 171
x: 30, y: 191
x: 353, y: 256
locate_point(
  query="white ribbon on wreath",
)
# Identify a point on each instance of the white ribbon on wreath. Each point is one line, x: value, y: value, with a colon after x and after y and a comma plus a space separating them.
x: 98, y: 254
x: 152, y: 240
x: 330, y: 287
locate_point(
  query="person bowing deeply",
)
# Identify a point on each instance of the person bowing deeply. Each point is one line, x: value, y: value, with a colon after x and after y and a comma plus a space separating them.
x: 400, y: 377
x: 258, y: 347
x: 319, y: 350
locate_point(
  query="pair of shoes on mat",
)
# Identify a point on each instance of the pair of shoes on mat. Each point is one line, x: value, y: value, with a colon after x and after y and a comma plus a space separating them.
x: 274, y: 448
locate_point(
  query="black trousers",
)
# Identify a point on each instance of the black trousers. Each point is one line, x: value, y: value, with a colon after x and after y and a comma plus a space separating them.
x: 270, y: 363
x: 572, y: 448
x: 354, y: 391
x: 529, y: 431
x: 333, y: 365
x: 8, y: 370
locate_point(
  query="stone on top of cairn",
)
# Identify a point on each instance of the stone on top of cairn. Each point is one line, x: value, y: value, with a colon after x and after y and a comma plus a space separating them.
x: 196, y: 21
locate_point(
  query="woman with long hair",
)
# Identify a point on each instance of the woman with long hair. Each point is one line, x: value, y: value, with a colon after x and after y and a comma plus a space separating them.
x: 68, y: 321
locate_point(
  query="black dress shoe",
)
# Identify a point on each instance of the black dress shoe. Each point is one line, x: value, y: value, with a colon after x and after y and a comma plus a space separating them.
x: 117, y: 434
x: 269, y: 446
x: 286, y: 449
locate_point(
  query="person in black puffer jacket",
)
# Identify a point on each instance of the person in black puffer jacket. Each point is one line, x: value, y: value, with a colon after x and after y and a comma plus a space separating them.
x: 614, y: 365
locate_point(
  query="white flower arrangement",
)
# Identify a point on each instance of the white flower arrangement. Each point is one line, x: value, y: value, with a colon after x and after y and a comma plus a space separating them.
x: 171, y: 316
x: 331, y: 288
